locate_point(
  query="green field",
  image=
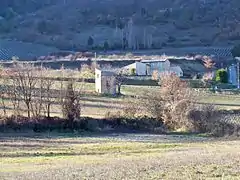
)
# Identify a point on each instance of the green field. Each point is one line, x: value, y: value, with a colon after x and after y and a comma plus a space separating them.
x: 117, y: 156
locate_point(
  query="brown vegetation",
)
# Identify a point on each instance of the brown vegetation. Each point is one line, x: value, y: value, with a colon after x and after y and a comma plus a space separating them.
x: 172, y: 102
x: 172, y: 106
x: 175, y: 105
x: 208, y: 62
x: 33, y: 86
x: 71, y: 104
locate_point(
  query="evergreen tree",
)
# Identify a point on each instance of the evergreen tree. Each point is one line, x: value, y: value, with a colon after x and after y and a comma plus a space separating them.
x: 222, y: 76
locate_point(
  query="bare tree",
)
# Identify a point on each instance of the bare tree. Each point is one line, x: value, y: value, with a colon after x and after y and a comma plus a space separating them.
x: 71, y: 103
x: 133, y: 108
x: 25, y: 83
x: 3, y: 105
x: 121, y: 77
x: 48, y: 84
x: 43, y: 97
x: 154, y: 104
x: 12, y: 91
x: 87, y: 71
x: 208, y: 62
x: 94, y: 65
x: 155, y: 75
x: 38, y: 93
x: 172, y: 102
x: 4, y: 90
x: 61, y: 84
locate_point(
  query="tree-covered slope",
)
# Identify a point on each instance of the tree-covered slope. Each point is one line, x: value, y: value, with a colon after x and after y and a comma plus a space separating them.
x: 133, y: 24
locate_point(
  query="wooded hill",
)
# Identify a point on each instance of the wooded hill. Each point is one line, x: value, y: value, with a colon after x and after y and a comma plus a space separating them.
x: 128, y: 24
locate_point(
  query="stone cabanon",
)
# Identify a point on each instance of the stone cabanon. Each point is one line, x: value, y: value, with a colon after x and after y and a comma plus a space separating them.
x: 105, y: 81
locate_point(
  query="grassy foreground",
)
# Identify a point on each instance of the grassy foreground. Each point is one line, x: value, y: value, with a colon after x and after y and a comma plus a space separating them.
x: 117, y: 156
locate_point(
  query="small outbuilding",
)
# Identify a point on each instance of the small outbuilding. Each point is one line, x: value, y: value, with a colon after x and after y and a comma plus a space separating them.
x: 105, y: 81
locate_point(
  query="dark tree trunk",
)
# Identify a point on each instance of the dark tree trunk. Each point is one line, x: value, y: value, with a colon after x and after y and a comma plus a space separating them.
x: 28, y: 110
x: 119, y: 90
x: 48, y: 110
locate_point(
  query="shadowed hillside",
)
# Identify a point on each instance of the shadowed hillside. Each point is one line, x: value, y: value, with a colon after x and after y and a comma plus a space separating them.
x: 127, y: 24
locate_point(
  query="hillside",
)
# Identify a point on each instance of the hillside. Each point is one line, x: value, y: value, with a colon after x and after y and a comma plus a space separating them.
x: 129, y: 24
x: 23, y: 50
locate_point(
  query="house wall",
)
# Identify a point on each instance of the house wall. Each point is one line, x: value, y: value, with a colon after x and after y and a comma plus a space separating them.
x: 108, y: 85
x: 98, y: 81
x: 232, y: 75
x: 104, y: 84
x: 141, y: 69
x: 159, y: 66
x: 130, y: 67
x: 177, y: 70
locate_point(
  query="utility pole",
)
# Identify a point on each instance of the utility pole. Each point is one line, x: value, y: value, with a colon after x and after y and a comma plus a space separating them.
x: 238, y: 72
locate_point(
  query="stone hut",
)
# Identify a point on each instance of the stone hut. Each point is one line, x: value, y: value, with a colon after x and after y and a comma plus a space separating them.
x: 105, y: 81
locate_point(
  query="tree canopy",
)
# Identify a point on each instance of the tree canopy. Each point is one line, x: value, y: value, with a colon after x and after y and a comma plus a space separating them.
x: 222, y: 76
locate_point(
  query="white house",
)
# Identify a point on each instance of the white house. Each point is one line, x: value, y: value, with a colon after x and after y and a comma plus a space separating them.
x: 159, y: 65
x: 105, y: 82
x: 176, y: 70
x: 137, y: 68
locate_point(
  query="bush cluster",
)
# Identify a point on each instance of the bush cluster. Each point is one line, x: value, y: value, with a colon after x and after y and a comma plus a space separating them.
x: 222, y: 76
x: 44, y: 124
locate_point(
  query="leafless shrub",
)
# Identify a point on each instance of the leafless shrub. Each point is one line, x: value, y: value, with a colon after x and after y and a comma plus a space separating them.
x: 203, y: 117
x: 71, y: 103
x: 37, y: 105
x: 12, y: 91
x: 87, y: 71
x: 155, y: 75
x: 24, y: 80
x: 177, y: 100
x: 47, y: 84
x: 208, y: 62
x: 132, y: 108
x: 121, y: 77
x: 154, y: 105
x: 206, y: 118
x: 93, y: 66
x: 208, y: 76
x: 175, y: 106
x: 4, y: 91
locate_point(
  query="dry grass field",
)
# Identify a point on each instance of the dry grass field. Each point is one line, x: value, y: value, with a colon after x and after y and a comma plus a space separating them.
x: 30, y: 156
x: 56, y: 156
x: 96, y: 106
